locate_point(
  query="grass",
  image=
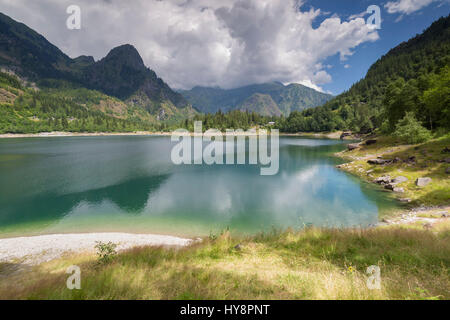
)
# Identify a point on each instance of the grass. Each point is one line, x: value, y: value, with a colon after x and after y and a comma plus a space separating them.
x: 428, y: 164
x: 308, y: 264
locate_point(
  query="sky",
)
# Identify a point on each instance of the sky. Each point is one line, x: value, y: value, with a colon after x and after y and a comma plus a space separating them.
x: 324, y: 44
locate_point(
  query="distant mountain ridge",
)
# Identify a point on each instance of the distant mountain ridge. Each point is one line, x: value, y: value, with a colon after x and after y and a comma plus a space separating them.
x: 268, y: 99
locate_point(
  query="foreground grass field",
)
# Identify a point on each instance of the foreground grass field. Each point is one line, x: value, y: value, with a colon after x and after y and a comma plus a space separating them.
x: 310, y: 264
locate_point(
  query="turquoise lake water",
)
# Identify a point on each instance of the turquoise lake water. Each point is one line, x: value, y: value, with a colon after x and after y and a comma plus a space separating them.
x: 129, y: 184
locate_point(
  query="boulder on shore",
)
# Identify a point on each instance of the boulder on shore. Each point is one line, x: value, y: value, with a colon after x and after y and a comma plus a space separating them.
x: 399, y: 179
x: 378, y: 161
x: 370, y: 142
x: 422, y: 182
x: 352, y: 146
x: 383, y: 180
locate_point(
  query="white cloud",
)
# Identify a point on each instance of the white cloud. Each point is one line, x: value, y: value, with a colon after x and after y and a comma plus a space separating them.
x: 407, y: 6
x: 358, y: 15
x: 225, y: 43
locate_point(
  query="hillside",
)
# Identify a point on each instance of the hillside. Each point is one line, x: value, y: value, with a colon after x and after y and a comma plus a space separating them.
x: 294, y: 97
x: 398, y: 82
x: 121, y: 74
x: 25, y: 109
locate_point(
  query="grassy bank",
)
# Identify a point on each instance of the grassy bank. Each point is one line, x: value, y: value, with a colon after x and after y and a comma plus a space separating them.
x: 311, y: 264
x: 429, y: 161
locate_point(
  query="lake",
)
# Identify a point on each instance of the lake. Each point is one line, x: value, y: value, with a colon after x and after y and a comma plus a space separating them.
x: 129, y: 184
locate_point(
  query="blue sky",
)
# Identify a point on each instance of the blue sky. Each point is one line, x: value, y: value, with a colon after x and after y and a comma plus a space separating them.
x: 395, y: 28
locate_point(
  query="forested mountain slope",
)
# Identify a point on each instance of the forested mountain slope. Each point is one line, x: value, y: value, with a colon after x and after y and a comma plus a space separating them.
x: 414, y: 76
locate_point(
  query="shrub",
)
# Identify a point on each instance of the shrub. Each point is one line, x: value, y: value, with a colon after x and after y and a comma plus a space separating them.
x: 411, y: 130
x: 105, y: 251
x: 385, y: 128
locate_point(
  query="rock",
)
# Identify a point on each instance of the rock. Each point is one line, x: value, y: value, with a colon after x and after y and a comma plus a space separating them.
x: 238, y: 246
x: 345, y: 134
x: 353, y: 146
x: 399, y: 179
x: 446, y: 150
x: 405, y: 200
x: 411, y: 159
x: 447, y: 160
x: 389, y: 187
x: 447, y: 171
x: 397, y: 159
x: 370, y: 142
x: 378, y: 161
x: 428, y: 226
x: 385, y: 221
x: 422, y: 182
x: 398, y: 190
x: 383, y: 180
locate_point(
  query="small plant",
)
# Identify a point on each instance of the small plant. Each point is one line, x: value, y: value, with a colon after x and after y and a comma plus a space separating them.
x: 212, y: 236
x: 105, y: 251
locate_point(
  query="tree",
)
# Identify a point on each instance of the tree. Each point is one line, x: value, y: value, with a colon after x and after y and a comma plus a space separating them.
x: 437, y: 99
x: 411, y: 130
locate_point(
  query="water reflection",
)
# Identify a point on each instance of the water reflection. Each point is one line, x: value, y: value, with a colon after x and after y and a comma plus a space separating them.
x: 130, y: 196
x: 118, y: 183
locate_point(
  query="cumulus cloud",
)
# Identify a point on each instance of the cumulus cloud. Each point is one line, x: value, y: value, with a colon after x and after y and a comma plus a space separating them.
x: 226, y: 43
x: 408, y: 6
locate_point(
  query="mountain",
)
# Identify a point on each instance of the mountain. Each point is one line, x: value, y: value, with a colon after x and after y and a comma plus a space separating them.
x: 121, y: 74
x: 412, y: 77
x: 294, y: 97
x: 262, y: 104
x: 27, y: 52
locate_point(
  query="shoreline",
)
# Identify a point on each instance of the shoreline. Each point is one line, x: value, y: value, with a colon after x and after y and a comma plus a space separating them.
x: 58, y: 134
x: 34, y: 250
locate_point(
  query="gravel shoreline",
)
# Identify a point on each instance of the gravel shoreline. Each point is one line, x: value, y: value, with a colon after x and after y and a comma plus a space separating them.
x: 38, y: 249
